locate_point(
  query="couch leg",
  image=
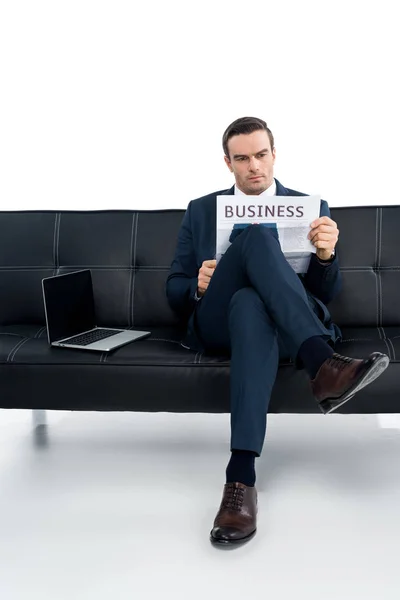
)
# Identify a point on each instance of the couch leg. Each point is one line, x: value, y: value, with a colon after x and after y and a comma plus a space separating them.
x: 40, y: 437
x: 39, y: 418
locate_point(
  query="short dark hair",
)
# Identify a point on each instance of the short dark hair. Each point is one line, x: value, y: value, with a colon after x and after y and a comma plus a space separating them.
x: 245, y: 125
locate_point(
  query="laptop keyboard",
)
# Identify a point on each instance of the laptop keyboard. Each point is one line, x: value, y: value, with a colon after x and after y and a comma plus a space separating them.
x: 93, y: 336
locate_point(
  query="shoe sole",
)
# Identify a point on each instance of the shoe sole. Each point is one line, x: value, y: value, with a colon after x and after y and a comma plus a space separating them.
x: 375, y: 370
x: 232, y: 543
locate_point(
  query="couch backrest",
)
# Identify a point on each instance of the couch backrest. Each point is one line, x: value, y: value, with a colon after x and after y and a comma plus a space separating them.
x: 369, y: 250
x: 130, y: 253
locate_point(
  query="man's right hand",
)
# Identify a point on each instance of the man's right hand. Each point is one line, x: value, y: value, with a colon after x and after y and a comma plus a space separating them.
x: 205, y: 273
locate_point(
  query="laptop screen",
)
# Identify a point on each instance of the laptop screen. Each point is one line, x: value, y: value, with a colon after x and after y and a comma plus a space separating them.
x: 69, y: 304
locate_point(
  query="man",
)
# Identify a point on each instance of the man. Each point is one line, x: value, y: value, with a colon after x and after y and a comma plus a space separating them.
x: 254, y: 307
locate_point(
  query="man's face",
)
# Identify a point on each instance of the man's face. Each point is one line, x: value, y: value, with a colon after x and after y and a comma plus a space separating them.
x: 251, y: 160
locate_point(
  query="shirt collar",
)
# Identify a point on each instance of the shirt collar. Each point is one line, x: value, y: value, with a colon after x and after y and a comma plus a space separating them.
x: 271, y: 191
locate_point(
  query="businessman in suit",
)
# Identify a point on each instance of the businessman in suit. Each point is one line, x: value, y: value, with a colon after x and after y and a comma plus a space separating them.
x: 256, y: 309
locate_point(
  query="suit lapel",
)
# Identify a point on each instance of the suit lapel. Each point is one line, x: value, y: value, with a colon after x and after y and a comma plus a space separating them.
x: 280, y: 190
x: 230, y: 192
x: 212, y: 221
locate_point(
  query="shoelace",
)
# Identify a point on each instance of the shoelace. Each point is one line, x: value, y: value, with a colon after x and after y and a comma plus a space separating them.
x: 233, y: 498
x: 339, y: 362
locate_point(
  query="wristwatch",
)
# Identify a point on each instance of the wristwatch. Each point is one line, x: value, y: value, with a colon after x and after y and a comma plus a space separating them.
x: 328, y: 260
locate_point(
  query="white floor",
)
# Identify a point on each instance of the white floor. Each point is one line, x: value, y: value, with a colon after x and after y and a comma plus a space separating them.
x: 120, y: 505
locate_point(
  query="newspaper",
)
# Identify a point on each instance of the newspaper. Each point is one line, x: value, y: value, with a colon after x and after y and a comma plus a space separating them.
x: 289, y: 217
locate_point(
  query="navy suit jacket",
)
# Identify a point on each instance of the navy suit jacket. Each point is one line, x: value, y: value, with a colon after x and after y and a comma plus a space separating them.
x: 197, y: 243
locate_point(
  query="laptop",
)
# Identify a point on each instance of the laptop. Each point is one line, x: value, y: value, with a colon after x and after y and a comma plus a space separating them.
x: 70, y: 315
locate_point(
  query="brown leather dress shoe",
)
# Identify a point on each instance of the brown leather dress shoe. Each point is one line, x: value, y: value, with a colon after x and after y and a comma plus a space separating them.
x: 236, y: 520
x: 340, y: 377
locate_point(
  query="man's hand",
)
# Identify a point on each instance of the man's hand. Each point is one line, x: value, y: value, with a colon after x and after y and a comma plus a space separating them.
x: 205, y: 273
x: 324, y: 235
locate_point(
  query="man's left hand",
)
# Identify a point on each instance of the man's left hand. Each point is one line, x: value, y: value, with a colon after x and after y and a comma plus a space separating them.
x: 324, y: 235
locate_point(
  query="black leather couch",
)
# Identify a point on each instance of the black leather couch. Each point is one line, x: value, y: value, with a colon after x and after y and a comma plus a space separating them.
x: 129, y: 254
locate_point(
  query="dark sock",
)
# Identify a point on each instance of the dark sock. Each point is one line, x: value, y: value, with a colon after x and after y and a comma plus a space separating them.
x: 241, y: 467
x: 313, y: 352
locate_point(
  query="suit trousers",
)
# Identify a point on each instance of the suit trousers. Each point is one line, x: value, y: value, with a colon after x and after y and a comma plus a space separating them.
x: 256, y: 310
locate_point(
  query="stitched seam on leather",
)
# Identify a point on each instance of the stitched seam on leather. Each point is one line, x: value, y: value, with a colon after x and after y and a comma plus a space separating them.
x: 386, y: 342
x: 58, y: 242
x: 17, y: 334
x: 134, y: 270
x: 19, y: 347
x: 388, y: 349
x: 14, y: 351
x: 160, y: 268
x: 377, y: 300
x: 55, y: 243
x: 376, y: 273
x: 131, y: 273
x: 376, y: 266
x: 380, y: 258
x: 13, y: 348
x: 394, y: 352
x: 356, y: 268
x: 38, y: 333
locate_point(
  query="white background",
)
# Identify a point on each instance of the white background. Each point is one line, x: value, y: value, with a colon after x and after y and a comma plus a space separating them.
x: 122, y: 104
